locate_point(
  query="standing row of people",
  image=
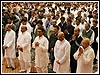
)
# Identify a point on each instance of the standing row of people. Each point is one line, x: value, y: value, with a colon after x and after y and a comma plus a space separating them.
x: 84, y: 54
x: 41, y: 32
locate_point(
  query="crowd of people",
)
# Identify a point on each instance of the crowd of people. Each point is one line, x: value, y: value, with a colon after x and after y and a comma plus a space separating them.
x: 64, y: 34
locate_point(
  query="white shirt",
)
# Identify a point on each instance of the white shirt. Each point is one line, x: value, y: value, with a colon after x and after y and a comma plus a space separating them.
x: 62, y: 53
x: 24, y: 40
x: 41, y: 52
x: 85, y: 61
x: 29, y: 28
x: 9, y: 40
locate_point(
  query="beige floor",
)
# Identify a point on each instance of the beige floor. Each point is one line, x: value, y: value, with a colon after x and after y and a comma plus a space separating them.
x: 8, y: 70
x: 33, y: 70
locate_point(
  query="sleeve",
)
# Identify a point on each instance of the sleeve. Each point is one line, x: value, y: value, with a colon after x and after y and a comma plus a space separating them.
x: 45, y: 46
x: 87, y: 58
x: 19, y: 29
x: 27, y: 39
x: 18, y: 39
x: 55, y: 50
x: 92, y: 38
x: 30, y: 28
x: 76, y: 55
x: 66, y: 55
x: 11, y: 39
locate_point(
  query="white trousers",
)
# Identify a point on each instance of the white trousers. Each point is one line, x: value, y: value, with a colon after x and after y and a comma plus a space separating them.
x: 10, y: 62
x: 42, y: 69
x: 25, y: 65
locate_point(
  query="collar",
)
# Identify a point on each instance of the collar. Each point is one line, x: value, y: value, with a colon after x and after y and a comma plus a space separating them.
x: 86, y: 48
x: 87, y: 30
x: 40, y: 37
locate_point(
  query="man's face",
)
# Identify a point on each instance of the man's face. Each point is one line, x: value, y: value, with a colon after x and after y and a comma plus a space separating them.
x: 23, y: 29
x: 56, y: 30
x: 94, y: 24
x: 39, y: 25
x: 60, y: 37
x: 39, y: 32
x: 77, y: 22
x: 7, y: 28
x: 24, y: 23
x: 85, y: 44
x: 9, y: 21
x: 53, y: 23
x: 48, y: 17
x: 76, y: 32
x: 87, y: 27
x: 68, y: 23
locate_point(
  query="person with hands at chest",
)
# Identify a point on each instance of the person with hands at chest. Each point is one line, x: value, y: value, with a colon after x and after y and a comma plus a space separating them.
x: 40, y: 44
x: 84, y: 56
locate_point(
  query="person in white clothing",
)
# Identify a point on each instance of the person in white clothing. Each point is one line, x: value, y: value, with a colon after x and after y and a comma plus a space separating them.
x: 40, y: 45
x: 24, y: 47
x: 26, y: 23
x: 84, y: 56
x: 62, y: 55
x: 9, y: 46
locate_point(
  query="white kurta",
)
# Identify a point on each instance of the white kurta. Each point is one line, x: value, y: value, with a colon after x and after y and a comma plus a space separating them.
x: 24, y: 40
x: 41, y: 52
x: 9, y: 41
x: 29, y: 28
x: 85, y: 61
x: 62, y: 53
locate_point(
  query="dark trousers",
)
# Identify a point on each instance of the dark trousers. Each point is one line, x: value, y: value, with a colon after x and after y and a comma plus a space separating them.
x: 73, y: 65
x: 52, y: 58
x: 95, y: 48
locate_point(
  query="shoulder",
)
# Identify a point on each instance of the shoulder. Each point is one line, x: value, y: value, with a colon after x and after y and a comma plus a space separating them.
x: 12, y: 31
x: 57, y: 41
x: 36, y: 38
x: 90, y: 49
x: 45, y: 38
x: 67, y: 43
x: 27, y: 34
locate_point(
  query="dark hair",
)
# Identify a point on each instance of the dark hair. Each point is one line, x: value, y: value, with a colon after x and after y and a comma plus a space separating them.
x: 25, y: 27
x: 62, y: 18
x: 57, y: 27
x: 78, y: 20
x: 88, y: 24
x: 69, y: 19
x: 95, y: 21
x: 90, y: 12
x: 40, y: 22
x: 42, y: 29
x: 63, y: 11
x: 10, y: 17
x: 57, y: 15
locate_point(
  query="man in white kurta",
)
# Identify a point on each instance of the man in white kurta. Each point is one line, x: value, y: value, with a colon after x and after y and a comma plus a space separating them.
x: 9, y: 47
x: 41, y: 52
x: 84, y: 56
x: 26, y: 23
x: 62, y: 55
x: 24, y: 47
